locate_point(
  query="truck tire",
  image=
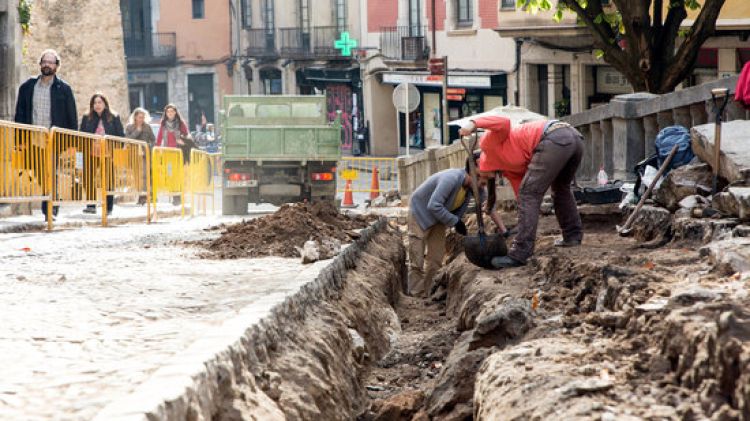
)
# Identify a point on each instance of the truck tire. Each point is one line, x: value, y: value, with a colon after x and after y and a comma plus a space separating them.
x: 234, y: 205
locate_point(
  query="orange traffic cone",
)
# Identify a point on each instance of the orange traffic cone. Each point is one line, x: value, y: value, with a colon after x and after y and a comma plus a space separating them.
x: 375, y: 186
x: 348, y: 198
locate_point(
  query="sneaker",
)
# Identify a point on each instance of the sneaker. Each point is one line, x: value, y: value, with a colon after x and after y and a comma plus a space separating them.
x: 567, y: 243
x: 502, y: 262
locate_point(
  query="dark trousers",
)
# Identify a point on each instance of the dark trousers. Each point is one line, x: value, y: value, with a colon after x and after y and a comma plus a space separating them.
x: 554, y: 164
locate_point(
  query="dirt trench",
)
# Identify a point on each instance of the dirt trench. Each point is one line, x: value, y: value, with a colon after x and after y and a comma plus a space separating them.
x: 607, y: 331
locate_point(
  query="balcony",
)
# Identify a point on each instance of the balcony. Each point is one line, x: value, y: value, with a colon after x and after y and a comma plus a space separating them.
x: 296, y: 43
x: 149, y: 50
x: 323, y: 39
x: 404, y: 43
x: 262, y: 43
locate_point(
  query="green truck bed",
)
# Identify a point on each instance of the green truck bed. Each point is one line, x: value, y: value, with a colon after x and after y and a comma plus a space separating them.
x: 279, y: 128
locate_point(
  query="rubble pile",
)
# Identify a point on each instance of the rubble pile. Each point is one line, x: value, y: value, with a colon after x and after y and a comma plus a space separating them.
x: 684, y: 206
x: 285, y: 232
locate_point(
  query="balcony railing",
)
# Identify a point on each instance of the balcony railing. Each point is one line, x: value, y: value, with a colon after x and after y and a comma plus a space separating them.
x: 295, y: 43
x: 262, y: 43
x: 323, y: 40
x: 406, y: 43
x: 155, y: 49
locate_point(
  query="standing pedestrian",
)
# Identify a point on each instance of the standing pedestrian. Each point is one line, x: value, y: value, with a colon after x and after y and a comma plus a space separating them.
x: 102, y: 121
x: 533, y: 157
x: 173, y: 132
x: 139, y: 129
x: 437, y: 204
x: 47, y: 101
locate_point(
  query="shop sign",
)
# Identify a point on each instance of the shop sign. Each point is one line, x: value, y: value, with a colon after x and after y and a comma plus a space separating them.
x: 466, y: 81
x: 456, y: 91
x: 455, y: 97
x: 147, y: 77
x: 610, y: 81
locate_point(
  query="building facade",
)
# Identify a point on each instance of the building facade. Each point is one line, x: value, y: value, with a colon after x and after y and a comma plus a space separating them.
x: 558, y: 73
x: 402, y: 33
x: 178, y: 51
x: 288, y: 47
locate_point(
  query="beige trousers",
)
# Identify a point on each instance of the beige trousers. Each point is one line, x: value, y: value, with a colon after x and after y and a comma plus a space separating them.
x: 423, y: 268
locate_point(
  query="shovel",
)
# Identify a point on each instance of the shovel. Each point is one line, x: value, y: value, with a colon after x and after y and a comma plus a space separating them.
x: 482, y: 248
x: 627, y: 228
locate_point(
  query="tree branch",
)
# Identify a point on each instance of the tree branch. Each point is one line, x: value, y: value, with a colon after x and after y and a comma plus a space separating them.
x: 602, y: 34
x: 703, y: 27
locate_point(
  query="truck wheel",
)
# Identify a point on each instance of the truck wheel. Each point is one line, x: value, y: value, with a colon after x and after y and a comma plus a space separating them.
x: 234, y: 205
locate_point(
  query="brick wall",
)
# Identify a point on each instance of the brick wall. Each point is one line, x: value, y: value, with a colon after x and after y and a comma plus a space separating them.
x: 381, y: 13
x: 439, y: 14
x: 488, y: 13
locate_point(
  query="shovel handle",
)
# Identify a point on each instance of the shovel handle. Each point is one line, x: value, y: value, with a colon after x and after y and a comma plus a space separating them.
x: 474, y: 182
x: 645, y: 196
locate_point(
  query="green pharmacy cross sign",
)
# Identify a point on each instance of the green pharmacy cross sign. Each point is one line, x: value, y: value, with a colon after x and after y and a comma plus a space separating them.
x: 345, y: 44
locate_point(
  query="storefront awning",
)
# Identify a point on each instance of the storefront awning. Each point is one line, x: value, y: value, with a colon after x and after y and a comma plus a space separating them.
x: 475, y: 80
x: 328, y: 75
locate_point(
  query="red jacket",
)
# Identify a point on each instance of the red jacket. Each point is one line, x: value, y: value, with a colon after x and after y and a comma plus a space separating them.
x: 742, y: 94
x: 508, y: 149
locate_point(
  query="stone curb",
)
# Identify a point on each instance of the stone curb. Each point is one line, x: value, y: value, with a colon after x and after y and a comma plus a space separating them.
x: 188, y: 384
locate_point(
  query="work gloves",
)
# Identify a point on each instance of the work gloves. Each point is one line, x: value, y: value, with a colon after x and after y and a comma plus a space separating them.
x: 460, y: 227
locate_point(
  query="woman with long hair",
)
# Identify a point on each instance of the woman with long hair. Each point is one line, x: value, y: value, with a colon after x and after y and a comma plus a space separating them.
x: 173, y: 132
x: 102, y: 121
x: 139, y: 129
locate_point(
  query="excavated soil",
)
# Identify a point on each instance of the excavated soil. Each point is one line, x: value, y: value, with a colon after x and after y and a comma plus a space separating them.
x: 610, y: 330
x: 285, y: 232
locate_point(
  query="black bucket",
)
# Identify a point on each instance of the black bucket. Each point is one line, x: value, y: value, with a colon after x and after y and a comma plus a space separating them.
x: 494, y: 245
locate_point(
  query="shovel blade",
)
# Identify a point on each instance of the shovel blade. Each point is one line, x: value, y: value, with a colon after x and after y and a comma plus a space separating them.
x: 481, y: 249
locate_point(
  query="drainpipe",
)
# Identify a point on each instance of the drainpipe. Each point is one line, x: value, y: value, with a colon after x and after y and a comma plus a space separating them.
x: 517, y: 71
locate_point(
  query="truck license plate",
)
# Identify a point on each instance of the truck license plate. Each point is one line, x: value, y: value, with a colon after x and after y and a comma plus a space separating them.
x: 242, y: 183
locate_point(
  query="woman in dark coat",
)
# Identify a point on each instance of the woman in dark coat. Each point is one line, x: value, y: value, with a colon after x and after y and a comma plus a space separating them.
x: 102, y: 121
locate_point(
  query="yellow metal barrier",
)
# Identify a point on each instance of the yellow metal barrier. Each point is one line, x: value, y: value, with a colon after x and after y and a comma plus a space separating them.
x: 360, y: 171
x: 168, y: 174
x: 79, y: 162
x: 24, y: 163
x: 203, y: 166
x: 127, y: 169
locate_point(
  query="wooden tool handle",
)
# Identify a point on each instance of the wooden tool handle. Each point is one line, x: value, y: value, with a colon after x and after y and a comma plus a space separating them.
x: 645, y: 196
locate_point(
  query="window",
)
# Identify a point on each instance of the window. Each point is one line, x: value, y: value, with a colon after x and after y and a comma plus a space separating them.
x: 199, y: 9
x: 415, y: 18
x: 304, y: 16
x: 464, y: 13
x: 247, y: 13
x: 508, y: 5
x: 268, y: 17
x: 340, y: 9
x: 270, y: 80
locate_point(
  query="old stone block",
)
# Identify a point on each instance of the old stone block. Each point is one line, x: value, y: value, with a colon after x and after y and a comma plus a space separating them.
x: 682, y: 182
x: 400, y: 407
x: 702, y: 230
x: 735, y: 155
x: 651, y: 223
x: 729, y: 256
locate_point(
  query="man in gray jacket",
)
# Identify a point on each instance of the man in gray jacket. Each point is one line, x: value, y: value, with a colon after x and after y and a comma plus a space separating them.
x: 437, y: 204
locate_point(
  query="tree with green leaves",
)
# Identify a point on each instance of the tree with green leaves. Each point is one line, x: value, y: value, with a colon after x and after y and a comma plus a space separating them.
x: 642, y: 38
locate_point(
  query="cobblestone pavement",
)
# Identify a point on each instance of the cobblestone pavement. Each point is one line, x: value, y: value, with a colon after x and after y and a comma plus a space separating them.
x: 88, y: 314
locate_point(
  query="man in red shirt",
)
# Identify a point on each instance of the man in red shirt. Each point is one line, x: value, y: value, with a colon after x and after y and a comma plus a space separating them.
x: 533, y: 157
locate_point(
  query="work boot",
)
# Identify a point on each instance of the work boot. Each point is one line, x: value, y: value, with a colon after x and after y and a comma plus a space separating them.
x: 89, y: 209
x: 567, y: 243
x: 504, y: 262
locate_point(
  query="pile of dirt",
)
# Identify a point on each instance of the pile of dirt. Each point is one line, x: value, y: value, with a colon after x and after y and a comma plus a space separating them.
x: 282, y: 233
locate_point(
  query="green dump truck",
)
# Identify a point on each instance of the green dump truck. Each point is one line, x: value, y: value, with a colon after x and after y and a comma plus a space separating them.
x: 277, y: 149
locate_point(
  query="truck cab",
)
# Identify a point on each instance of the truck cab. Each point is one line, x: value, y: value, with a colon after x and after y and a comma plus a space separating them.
x: 278, y: 149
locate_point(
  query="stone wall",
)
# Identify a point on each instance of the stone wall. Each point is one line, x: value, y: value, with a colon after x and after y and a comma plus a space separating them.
x: 10, y: 57
x: 88, y: 36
